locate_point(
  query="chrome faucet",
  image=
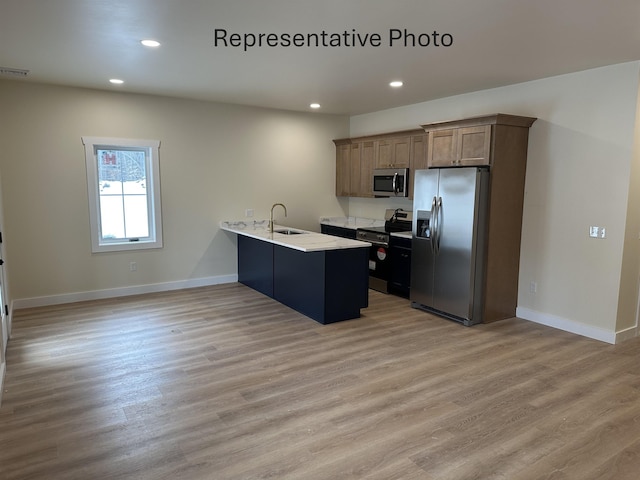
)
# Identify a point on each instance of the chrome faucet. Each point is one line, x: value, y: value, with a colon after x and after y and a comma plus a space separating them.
x: 271, y: 216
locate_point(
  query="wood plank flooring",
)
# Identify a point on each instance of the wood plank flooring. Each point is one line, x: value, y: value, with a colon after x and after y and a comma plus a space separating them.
x: 224, y: 383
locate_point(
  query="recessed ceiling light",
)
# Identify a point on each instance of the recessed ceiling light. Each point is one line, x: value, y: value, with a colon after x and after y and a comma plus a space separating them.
x: 396, y: 84
x: 315, y: 105
x: 116, y: 81
x: 150, y: 43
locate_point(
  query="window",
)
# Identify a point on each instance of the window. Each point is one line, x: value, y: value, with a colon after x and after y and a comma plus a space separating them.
x: 123, y: 181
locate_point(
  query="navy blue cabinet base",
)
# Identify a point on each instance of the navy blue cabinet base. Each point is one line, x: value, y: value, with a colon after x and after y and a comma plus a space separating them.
x: 327, y: 286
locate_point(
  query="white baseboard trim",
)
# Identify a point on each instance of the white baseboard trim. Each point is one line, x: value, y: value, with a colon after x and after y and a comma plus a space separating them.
x: 120, y: 292
x: 626, y: 334
x: 567, y: 325
x: 3, y: 369
x: 10, y: 320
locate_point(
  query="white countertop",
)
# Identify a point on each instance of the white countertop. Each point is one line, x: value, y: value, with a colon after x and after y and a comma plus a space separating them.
x: 305, y: 242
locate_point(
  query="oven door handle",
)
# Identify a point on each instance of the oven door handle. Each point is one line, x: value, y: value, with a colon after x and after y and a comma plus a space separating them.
x: 378, y: 244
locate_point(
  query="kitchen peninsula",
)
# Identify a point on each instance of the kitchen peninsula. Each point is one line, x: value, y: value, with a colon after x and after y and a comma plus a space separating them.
x: 321, y: 276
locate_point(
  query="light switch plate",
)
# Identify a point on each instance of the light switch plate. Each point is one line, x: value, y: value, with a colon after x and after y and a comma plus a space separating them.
x: 597, y: 232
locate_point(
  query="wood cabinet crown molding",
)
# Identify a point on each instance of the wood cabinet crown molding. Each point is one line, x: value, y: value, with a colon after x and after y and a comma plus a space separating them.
x: 493, y: 119
x: 379, y: 136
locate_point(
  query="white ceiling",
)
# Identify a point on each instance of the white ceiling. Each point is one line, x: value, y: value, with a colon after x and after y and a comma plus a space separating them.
x: 495, y: 42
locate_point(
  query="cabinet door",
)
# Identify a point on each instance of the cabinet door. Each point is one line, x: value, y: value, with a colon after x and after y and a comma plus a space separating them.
x: 418, y: 160
x: 354, y: 170
x: 474, y: 145
x: 442, y: 148
x: 467, y: 146
x: 400, y: 270
x: 255, y: 264
x: 343, y: 170
x: 394, y: 153
x: 419, y: 152
x: 367, y: 158
x: 384, y: 158
x: 401, y: 152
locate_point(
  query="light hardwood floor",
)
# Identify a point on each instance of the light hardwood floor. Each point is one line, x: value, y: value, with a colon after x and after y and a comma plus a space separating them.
x: 224, y: 383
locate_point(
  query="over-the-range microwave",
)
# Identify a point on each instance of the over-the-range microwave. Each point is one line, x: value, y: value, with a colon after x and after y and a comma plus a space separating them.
x: 390, y: 182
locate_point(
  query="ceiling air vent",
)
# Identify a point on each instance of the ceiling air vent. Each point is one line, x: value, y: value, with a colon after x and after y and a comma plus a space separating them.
x: 13, y: 72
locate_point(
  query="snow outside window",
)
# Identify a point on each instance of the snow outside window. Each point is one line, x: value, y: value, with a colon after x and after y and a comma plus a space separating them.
x: 123, y: 182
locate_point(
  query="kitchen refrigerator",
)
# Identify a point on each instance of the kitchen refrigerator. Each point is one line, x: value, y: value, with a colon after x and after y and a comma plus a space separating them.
x: 449, y: 230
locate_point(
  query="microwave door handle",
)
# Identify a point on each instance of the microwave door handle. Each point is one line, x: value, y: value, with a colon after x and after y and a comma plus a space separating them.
x: 395, y: 184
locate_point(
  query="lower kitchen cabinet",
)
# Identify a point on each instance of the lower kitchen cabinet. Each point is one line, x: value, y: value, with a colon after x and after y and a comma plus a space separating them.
x: 400, y: 251
x: 255, y: 264
x: 327, y: 286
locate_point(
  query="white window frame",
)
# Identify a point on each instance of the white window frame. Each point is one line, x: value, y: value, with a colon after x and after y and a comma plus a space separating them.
x: 152, y: 147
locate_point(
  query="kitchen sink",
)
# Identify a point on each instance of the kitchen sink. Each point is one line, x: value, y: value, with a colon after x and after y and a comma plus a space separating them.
x: 288, y: 232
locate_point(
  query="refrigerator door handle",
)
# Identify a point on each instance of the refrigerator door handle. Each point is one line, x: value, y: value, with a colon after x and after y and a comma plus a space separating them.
x: 434, y: 225
x: 437, y: 242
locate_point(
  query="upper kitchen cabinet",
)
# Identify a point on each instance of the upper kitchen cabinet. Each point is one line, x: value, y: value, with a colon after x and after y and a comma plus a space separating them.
x: 354, y: 167
x: 367, y: 160
x: 460, y: 147
x: 473, y: 145
x: 394, y: 152
x: 418, y: 157
x: 343, y: 167
x: 442, y: 148
x: 357, y: 157
x: 469, y: 142
x: 419, y: 149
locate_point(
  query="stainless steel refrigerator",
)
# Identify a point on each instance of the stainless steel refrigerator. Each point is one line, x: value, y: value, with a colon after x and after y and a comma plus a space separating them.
x: 448, y: 242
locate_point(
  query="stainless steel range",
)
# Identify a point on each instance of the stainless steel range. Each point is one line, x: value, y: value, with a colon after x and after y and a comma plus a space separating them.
x: 396, y: 220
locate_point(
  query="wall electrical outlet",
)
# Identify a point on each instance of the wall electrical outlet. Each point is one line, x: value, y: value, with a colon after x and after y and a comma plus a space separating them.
x: 133, y: 266
x: 248, y: 212
x: 533, y: 287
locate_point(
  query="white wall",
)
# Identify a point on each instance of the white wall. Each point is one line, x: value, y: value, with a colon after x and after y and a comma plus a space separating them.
x: 580, y: 157
x: 215, y: 161
x: 630, y: 274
